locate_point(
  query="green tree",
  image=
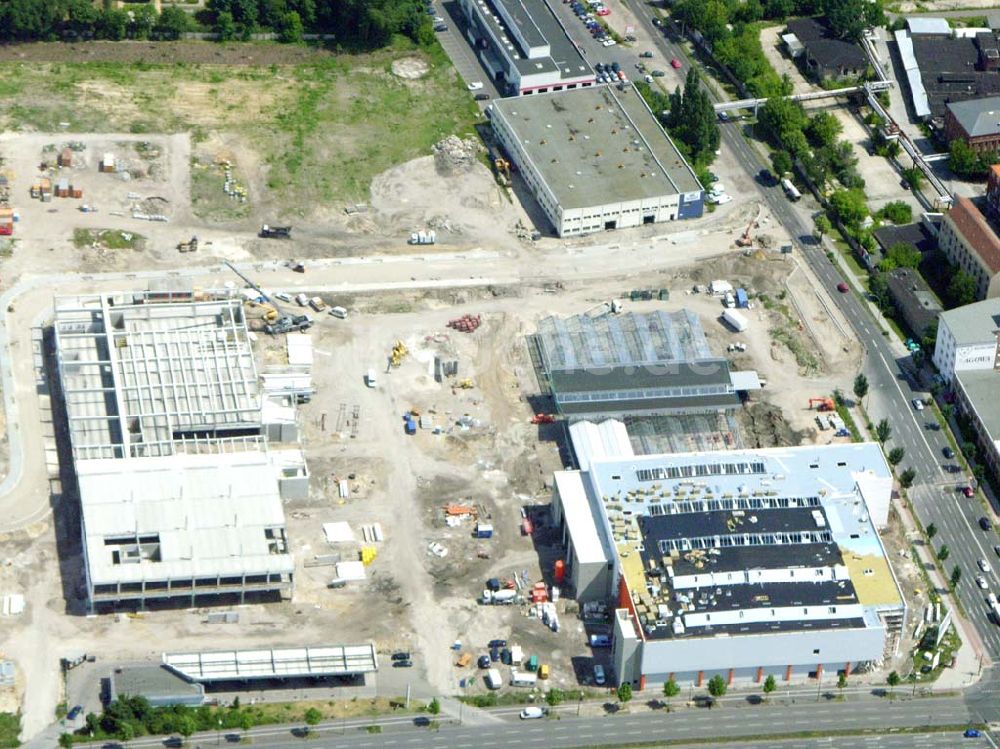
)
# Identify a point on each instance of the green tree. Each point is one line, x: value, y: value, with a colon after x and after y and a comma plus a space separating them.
x: 913, y: 177
x: 143, y: 21
x: 943, y: 553
x: 893, y: 680
x: 112, y: 25
x: 897, y: 211
x: 717, y: 686
x: 848, y: 19
x: 966, y: 162
x: 246, y: 721
x: 434, y: 706
x: 779, y: 116
x: 781, y: 163
x: 173, y: 22
x: 883, y: 431
x: 902, y: 255
x: 225, y: 26
x: 670, y: 690
x: 624, y: 692
x: 126, y: 732
x: 931, y: 531
x: 841, y: 680
x: 81, y: 17
x: 878, y: 285
x: 770, y: 684
x: 313, y: 717
x: 290, y: 28
x: 65, y: 740
x: 692, y: 119
x: 961, y: 289
x: 895, y: 456
x: 907, y: 477
x: 823, y: 226
x: 860, y: 386
x: 186, y: 726
x: 849, y: 206
x: 554, y: 697
x: 956, y: 576
x: 823, y: 129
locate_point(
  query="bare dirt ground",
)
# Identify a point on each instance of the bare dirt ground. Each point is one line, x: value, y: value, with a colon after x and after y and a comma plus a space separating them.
x: 167, y: 53
x: 774, y: 50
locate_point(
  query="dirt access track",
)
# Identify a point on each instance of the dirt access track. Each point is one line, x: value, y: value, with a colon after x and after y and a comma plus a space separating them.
x: 164, y: 53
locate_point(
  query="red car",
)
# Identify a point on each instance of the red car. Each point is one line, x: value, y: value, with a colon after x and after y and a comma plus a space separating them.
x: 968, y: 491
x: 604, y: 12
x: 675, y: 64
x: 843, y: 288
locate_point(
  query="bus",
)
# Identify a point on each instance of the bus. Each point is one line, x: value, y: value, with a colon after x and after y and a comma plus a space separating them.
x: 790, y: 189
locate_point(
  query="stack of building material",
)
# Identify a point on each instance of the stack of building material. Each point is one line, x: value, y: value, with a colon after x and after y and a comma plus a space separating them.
x: 66, y: 157
x: 6, y: 221
x: 107, y: 163
x: 466, y: 323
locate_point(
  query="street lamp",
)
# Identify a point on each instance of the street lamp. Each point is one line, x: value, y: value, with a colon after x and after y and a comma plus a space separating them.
x: 218, y: 734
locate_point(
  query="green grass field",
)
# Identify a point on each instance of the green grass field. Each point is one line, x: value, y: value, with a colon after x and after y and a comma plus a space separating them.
x: 319, y: 132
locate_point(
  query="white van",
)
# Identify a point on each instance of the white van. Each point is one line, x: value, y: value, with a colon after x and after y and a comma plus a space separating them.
x: 370, y: 378
x: 522, y: 678
x: 339, y: 312
x: 493, y: 680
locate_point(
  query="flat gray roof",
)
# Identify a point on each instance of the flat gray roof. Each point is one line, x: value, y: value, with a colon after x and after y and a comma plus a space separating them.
x: 977, y: 116
x: 282, y: 663
x: 974, y: 323
x: 981, y: 387
x: 538, y: 26
x: 155, y: 683
x: 593, y: 147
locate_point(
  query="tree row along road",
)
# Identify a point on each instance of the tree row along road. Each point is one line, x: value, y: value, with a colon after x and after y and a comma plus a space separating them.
x: 933, y: 495
x: 725, y: 724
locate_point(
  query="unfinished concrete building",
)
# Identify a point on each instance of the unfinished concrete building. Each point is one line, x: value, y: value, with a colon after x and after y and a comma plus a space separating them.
x: 180, y: 492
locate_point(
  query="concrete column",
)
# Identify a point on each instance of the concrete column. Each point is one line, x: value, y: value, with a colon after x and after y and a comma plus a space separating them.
x: 819, y: 670
x: 847, y: 669
x: 760, y: 674
x: 788, y: 673
x: 732, y: 675
x: 642, y: 682
x: 701, y: 679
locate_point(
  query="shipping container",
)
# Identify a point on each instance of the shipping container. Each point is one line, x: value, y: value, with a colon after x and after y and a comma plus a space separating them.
x: 484, y: 530
x: 410, y: 425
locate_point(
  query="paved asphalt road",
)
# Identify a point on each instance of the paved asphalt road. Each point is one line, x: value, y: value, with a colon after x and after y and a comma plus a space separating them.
x: 723, y: 723
x: 934, y: 493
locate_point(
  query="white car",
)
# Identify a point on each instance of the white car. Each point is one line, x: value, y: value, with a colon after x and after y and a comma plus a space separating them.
x: 984, y: 566
x: 918, y: 404
x: 981, y: 582
x: 282, y: 296
x: 720, y: 198
x: 609, y: 43
x: 475, y: 85
x: 531, y: 713
x: 991, y: 598
x: 599, y: 674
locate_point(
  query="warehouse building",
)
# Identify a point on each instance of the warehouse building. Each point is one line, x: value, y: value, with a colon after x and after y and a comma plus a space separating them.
x: 741, y: 563
x: 595, y: 160
x: 524, y: 47
x: 180, y: 491
x: 651, y: 363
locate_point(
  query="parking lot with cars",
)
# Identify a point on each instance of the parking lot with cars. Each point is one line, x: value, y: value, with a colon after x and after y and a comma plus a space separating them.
x: 450, y: 32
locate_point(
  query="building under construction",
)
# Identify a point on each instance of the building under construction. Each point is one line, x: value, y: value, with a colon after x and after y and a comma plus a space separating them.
x: 180, y: 491
x: 651, y: 363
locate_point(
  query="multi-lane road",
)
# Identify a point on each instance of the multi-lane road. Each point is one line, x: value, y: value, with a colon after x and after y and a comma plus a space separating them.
x: 893, y: 388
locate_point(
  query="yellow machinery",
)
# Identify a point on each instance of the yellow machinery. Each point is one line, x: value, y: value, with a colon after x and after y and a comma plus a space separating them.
x: 399, y: 352
x: 368, y: 554
x: 465, y: 384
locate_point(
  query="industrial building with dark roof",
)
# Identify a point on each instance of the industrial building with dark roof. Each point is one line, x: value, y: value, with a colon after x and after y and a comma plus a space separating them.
x: 826, y: 55
x: 634, y: 363
x: 736, y: 563
x: 596, y: 160
x: 948, y: 69
x: 918, y: 305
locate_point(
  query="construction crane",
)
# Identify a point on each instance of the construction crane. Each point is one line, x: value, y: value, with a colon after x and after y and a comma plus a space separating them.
x: 825, y: 404
x: 278, y: 321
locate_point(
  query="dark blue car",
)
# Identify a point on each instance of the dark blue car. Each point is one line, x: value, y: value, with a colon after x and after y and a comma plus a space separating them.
x: 972, y: 733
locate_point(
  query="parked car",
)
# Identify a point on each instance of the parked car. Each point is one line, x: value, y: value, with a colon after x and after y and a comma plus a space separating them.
x: 482, y: 97
x: 996, y: 550
x: 532, y: 713
x: 75, y: 712
x: 968, y: 491
x: 402, y: 664
x: 984, y: 522
x: 658, y: 74
x: 984, y: 565
x: 971, y: 733
x: 600, y: 641
x: 498, y: 643
x: 675, y: 64
x: 949, y: 453
x: 647, y: 54
x: 981, y: 582
x: 483, y: 662
x: 402, y: 655
x: 599, y: 674
x: 475, y: 85
x: 918, y: 404
x: 440, y: 27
